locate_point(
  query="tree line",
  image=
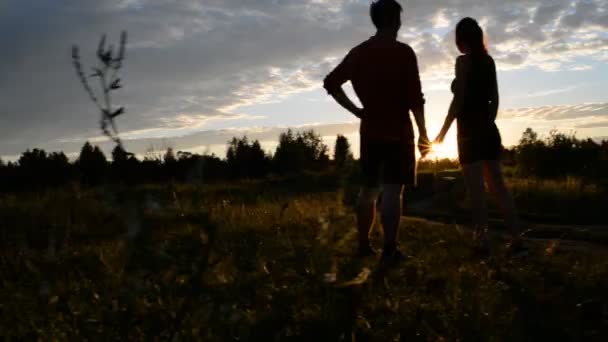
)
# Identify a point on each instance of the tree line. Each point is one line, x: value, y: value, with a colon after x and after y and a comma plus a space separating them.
x: 555, y: 156
x: 245, y: 159
x: 560, y: 155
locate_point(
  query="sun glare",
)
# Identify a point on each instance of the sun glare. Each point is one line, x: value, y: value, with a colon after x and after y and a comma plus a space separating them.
x: 441, y: 151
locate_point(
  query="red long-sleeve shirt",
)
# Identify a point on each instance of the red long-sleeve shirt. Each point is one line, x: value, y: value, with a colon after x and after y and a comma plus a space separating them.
x: 384, y: 74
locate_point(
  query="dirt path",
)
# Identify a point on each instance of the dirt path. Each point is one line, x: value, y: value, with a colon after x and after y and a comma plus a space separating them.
x: 580, y: 238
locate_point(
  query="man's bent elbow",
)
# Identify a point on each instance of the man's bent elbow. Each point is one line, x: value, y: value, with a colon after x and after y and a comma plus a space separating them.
x: 331, y: 87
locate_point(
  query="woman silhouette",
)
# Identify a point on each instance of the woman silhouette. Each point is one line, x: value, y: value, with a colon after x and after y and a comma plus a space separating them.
x: 474, y: 107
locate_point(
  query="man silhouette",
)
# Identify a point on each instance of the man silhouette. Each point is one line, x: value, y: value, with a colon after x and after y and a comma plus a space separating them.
x: 384, y: 74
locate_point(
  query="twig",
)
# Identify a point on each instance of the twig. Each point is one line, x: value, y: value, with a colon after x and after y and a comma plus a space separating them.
x: 107, y: 70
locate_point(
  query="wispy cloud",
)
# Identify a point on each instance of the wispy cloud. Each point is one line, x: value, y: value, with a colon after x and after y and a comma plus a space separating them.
x: 555, y: 91
x: 588, y: 111
x: 594, y: 124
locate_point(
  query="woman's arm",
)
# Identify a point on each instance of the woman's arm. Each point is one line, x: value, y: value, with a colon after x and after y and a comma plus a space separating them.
x: 457, y: 101
x: 449, y: 119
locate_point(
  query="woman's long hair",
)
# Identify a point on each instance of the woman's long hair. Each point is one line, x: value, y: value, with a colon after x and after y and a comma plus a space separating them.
x: 469, y: 34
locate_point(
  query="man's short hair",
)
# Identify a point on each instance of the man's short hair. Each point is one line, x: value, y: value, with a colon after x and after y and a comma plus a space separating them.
x: 385, y: 13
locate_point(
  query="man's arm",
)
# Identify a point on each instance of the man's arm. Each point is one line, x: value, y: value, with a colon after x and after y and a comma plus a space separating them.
x: 343, y: 100
x: 424, y: 144
x: 333, y: 84
x: 416, y: 100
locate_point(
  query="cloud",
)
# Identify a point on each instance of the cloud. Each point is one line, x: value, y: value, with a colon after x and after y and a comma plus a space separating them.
x: 554, y: 91
x: 193, y: 62
x: 597, y: 124
x: 591, y: 111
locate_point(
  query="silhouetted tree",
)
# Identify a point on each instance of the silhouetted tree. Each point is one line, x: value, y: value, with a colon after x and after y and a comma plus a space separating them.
x: 119, y: 155
x: 3, y: 176
x: 301, y: 151
x: 9, y: 177
x: 342, y: 154
x: 194, y: 168
x: 260, y: 162
x: 528, y: 137
x: 212, y: 167
x: 38, y: 169
x: 59, y: 169
x: 151, y: 170
x: 529, y: 158
x: 246, y: 159
x: 91, y: 164
x: 169, y: 156
x: 189, y: 166
x: 32, y: 166
x: 32, y: 159
x: 170, y: 164
x: 556, y: 155
x: 589, y: 155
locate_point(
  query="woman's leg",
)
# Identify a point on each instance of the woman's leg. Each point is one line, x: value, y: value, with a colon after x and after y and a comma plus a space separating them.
x: 496, y: 185
x: 473, y: 178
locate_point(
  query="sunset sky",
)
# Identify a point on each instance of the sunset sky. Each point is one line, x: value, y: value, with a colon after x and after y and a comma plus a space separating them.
x: 200, y: 72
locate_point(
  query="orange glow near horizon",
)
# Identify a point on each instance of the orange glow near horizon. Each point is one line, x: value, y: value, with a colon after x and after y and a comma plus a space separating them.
x: 441, y: 151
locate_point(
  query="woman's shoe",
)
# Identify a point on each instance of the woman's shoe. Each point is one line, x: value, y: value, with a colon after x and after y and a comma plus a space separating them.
x: 517, y: 248
x: 481, y: 242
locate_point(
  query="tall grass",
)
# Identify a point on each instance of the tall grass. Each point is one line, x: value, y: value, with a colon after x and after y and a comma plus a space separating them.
x: 254, y: 264
x: 569, y: 200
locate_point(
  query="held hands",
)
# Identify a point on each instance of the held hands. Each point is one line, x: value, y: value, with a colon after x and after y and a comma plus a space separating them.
x: 424, y: 145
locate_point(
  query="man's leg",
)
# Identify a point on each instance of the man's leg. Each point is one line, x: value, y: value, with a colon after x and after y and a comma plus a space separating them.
x: 366, y: 215
x: 391, y: 215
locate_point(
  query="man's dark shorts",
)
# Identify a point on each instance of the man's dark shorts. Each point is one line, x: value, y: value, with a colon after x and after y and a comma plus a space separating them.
x: 388, y: 162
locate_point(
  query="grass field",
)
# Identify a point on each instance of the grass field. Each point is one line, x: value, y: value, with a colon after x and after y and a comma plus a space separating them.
x: 246, y: 263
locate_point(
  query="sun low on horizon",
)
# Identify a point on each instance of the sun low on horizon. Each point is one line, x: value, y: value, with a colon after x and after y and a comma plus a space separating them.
x: 443, y: 151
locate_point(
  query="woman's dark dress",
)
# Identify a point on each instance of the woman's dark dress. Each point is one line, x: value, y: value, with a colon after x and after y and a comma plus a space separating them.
x: 478, y: 136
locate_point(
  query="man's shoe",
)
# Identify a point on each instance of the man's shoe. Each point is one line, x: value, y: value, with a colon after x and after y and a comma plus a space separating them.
x: 391, y: 258
x: 365, y: 251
